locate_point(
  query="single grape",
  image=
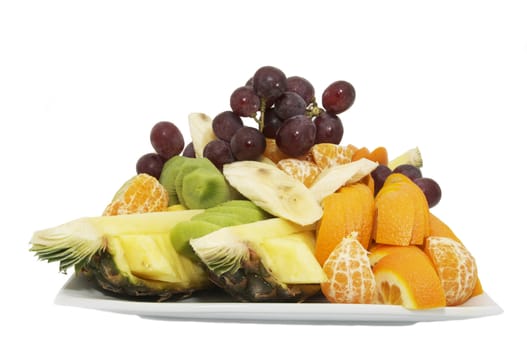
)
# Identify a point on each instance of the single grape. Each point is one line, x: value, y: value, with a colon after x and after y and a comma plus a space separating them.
x: 289, y: 104
x: 271, y: 123
x: 269, y: 82
x: 431, y: 190
x: 151, y: 164
x: 296, y: 135
x: 379, y: 175
x: 338, y: 97
x: 219, y: 153
x: 189, y: 151
x: 302, y: 87
x: 166, y: 139
x: 244, y: 102
x: 409, y: 170
x: 247, y: 143
x: 225, y: 125
x: 329, y: 128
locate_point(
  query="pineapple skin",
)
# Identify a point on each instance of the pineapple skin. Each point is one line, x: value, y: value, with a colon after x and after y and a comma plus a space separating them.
x: 252, y: 282
x: 110, y: 270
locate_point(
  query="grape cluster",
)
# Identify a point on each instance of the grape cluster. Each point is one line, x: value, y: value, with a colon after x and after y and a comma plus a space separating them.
x: 429, y: 186
x: 284, y: 109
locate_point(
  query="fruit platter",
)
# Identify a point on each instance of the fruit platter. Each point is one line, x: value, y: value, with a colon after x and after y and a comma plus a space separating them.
x: 266, y: 215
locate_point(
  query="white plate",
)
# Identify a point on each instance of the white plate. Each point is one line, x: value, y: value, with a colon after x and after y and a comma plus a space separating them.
x: 208, y: 306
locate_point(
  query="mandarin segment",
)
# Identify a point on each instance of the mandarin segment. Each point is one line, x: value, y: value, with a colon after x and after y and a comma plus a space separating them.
x: 328, y: 154
x: 350, y: 277
x: 141, y: 194
x: 455, y: 266
x: 272, y: 151
x: 302, y: 170
x: 407, y: 277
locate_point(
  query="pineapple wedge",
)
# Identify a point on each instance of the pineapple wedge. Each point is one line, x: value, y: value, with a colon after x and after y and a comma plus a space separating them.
x: 126, y: 254
x: 268, y: 260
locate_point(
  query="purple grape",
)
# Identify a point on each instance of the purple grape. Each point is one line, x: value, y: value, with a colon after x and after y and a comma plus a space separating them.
x: 219, y: 153
x: 244, y: 102
x: 409, y: 170
x: 166, y: 139
x: 379, y: 175
x: 189, y: 151
x: 338, y: 97
x: 289, y: 104
x: 296, y: 135
x: 151, y: 164
x: 269, y: 82
x: 431, y: 190
x: 271, y: 123
x: 302, y: 87
x: 225, y: 125
x: 247, y: 143
x: 329, y: 128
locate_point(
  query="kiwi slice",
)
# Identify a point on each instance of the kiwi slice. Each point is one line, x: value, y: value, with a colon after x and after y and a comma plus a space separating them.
x: 170, y: 170
x: 202, y: 189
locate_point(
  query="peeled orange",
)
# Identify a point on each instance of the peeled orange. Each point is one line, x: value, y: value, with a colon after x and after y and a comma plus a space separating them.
x: 455, y: 266
x: 350, y: 277
x: 304, y: 171
x: 141, y: 194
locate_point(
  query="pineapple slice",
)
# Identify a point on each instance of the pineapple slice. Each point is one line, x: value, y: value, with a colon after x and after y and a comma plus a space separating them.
x: 291, y: 259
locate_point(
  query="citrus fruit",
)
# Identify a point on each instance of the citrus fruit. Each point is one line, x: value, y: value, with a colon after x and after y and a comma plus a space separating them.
x: 350, y: 277
x: 403, y: 216
x: 141, y: 194
x: 440, y: 229
x: 302, y: 170
x: 328, y: 154
x: 349, y: 210
x: 272, y: 151
x: 455, y: 266
x: 405, y: 276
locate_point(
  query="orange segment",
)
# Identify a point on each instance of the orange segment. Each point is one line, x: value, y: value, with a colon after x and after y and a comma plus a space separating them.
x: 408, y: 278
x: 402, y: 212
x: 328, y: 154
x: 455, y: 266
x: 141, y: 194
x: 395, y: 217
x: 302, y: 170
x: 360, y: 153
x: 379, y: 155
x: 349, y: 210
x: 350, y: 277
x: 360, y: 212
x: 272, y: 151
x: 439, y: 229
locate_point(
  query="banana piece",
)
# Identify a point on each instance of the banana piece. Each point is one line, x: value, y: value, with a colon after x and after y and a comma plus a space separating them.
x: 274, y: 191
x: 200, y: 126
x: 334, y: 177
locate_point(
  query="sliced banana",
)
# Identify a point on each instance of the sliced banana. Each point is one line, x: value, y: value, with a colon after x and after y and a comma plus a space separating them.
x: 336, y: 176
x: 200, y: 126
x: 274, y: 191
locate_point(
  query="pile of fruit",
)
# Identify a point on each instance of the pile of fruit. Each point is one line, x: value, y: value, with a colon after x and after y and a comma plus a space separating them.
x: 265, y: 203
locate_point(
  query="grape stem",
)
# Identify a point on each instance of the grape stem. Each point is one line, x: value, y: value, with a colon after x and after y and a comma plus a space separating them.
x: 261, y: 119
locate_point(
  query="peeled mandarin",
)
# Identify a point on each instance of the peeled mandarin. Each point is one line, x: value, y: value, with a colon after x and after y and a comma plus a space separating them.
x: 141, y: 194
x: 455, y: 266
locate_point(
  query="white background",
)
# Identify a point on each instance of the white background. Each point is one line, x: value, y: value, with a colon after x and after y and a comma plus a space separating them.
x: 81, y: 84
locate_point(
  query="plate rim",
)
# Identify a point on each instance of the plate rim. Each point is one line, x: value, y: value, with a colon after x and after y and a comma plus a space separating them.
x: 78, y: 292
